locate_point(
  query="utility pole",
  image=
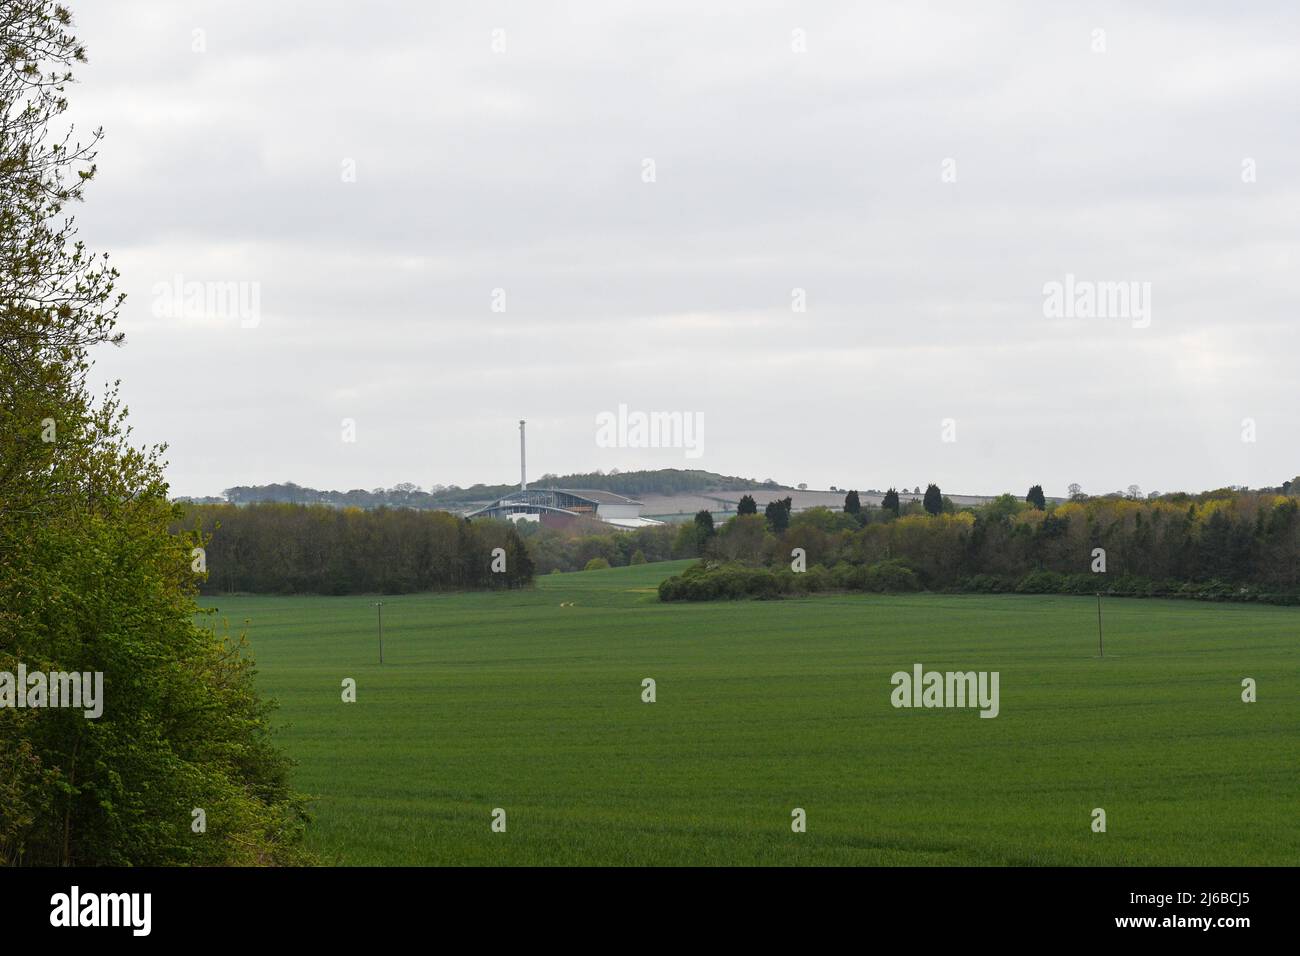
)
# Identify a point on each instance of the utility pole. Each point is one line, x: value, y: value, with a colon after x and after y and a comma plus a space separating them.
x: 1101, y: 648
x: 379, y: 606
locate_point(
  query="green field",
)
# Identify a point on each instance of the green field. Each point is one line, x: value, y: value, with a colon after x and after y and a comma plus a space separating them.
x: 510, y: 700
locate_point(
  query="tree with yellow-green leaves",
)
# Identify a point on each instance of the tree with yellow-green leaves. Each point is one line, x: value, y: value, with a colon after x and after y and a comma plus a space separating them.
x: 91, y: 579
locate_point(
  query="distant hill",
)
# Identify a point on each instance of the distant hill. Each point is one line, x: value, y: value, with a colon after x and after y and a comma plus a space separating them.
x: 664, y: 481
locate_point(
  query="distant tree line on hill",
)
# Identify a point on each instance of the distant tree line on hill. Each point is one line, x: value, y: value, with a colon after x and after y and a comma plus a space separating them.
x: 314, y: 549
x: 1221, y: 545
x: 665, y: 481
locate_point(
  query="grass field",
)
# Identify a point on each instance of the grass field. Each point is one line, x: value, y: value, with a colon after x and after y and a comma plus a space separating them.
x: 510, y: 700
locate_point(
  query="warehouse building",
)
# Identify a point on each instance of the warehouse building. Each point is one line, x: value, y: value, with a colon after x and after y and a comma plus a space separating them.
x: 557, y: 507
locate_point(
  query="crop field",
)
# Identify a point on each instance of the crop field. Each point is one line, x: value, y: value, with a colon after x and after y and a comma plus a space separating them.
x: 531, y: 702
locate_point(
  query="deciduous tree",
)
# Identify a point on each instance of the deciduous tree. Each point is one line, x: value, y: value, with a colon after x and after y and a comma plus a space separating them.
x: 91, y: 578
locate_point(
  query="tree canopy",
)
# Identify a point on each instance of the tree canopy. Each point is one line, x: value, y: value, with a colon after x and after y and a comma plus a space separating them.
x: 1036, y: 497
x: 91, y: 579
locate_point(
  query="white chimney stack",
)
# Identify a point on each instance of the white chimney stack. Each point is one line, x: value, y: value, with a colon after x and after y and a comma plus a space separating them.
x: 523, y: 470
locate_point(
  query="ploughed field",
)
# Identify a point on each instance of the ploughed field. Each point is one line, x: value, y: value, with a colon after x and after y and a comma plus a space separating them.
x: 531, y: 702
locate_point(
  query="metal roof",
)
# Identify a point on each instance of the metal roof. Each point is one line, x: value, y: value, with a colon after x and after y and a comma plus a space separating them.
x: 556, y: 499
x: 600, y: 497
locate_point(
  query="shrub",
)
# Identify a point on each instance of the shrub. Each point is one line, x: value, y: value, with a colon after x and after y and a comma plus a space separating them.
x: 891, y: 575
x: 816, y: 578
x: 848, y: 577
x: 1082, y: 583
x: 985, y: 584
x: 1040, y: 582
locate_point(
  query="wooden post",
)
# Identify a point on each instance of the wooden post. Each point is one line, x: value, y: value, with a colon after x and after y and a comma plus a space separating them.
x: 1101, y: 648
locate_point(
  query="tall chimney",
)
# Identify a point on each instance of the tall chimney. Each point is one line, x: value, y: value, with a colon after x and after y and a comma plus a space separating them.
x: 523, y: 470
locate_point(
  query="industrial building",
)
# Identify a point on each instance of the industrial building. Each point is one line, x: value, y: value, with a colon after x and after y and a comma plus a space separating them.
x: 558, y: 507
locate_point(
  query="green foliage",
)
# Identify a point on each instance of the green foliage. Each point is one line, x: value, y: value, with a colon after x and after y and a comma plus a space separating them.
x: 708, y: 581
x: 686, y: 542
x: 1001, y: 509
x: 730, y: 581
x: 777, y: 513
x: 1036, y: 497
x: 1249, y: 543
x: 596, y: 564
x: 91, y: 579
x: 890, y: 502
x: 694, y: 538
x: 563, y: 549
x: 1041, y: 582
x: 892, y: 575
x: 852, y: 504
x: 315, y: 549
x: 933, y: 499
x: 742, y: 538
x: 824, y: 520
x: 747, y: 505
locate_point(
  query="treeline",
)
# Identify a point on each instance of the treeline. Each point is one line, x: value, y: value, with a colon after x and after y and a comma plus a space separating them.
x: 315, y: 549
x: 1222, y: 545
x: 664, y: 481
x: 574, y: 549
x: 404, y: 495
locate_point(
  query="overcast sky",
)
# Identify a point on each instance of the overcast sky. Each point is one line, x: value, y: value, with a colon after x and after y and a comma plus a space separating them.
x: 372, y: 172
